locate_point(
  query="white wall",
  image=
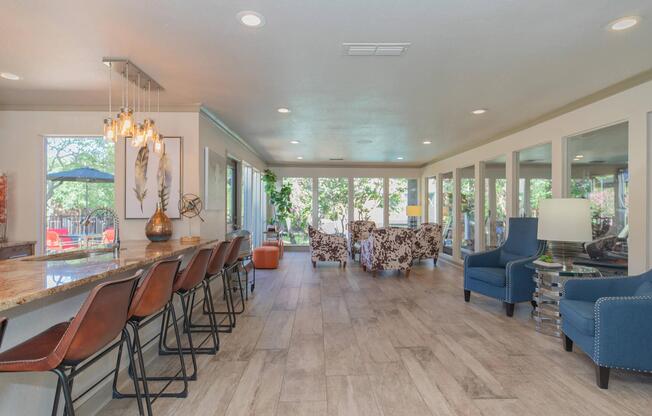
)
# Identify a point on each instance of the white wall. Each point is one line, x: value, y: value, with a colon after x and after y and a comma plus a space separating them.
x: 22, y: 158
x: 633, y: 106
x: 212, y: 136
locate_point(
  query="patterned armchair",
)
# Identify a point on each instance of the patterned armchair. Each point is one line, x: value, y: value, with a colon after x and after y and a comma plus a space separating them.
x: 326, y: 247
x: 358, y: 231
x: 387, y: 249
x: 427, y: 242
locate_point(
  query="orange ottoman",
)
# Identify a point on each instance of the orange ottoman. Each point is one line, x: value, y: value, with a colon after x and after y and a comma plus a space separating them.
x: 266, y: 257
x: 275, y: 243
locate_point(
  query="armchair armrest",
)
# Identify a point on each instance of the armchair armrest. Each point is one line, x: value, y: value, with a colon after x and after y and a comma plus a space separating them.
x: 623, y: 332
x: 519, y: 279
x: 591, y: 289
x: 485, y: 259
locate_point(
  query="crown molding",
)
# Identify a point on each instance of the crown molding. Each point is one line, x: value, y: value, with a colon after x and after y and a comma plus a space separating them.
x: 624, y: 85
x: 182, y: 108
x: 213, y: 118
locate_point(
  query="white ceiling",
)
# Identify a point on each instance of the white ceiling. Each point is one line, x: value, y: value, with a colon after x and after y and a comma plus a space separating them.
x: 518, y: 58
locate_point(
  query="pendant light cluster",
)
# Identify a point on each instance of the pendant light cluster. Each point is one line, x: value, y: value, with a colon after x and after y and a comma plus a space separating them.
x: 125, y: 125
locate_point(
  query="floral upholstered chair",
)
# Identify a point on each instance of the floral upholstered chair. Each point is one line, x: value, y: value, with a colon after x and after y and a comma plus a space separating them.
x: 326, y: 247
x: 358, y: 231
x: 387, y: 249
x: 427, y: 242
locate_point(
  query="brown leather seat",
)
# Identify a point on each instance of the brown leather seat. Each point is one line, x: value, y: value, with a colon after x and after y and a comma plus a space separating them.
x: 194, y: 272
x: 218, y: 259
x: 155, y: 289
x: 233, y: 251
x: 3, y: 325
x: 99, y: 321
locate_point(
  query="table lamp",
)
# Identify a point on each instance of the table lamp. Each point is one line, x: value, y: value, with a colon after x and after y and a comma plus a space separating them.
x: 413, y: 212
x: 565, y: 223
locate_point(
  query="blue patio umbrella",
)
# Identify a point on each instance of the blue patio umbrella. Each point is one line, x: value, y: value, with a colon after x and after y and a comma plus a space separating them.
x: 85, y: 174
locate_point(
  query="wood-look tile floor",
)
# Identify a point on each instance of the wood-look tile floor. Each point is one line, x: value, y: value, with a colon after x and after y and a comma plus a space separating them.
x: 329, y: 341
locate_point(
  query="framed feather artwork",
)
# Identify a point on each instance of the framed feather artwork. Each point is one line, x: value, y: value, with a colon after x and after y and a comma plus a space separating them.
x: 151, y: 178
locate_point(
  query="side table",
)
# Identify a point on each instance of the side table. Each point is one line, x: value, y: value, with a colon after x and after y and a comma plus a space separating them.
x: 549, y: 292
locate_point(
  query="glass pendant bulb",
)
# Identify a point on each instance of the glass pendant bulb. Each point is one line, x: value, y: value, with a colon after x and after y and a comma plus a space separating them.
x: 138, y: 139
x: 150, y: 129
x: 110, y: 130
x: 159, y: 147
x: 126, y: 122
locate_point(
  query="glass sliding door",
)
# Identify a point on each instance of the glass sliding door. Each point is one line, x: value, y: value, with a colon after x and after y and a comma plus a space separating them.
x: 495, y: 202
x: 247, y: 197
x: 467, y: 211
x: 333, y: 204
x: 534, y: 178
x: 599, y: 172
x: 399, y: 199
x: 231, y: 195
x: 431, y: 183
x: 296, y: 225
x: 368, y: 200
x: 447, y: 190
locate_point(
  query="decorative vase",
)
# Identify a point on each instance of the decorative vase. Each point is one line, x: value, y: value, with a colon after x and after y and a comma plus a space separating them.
x: 159, y: 227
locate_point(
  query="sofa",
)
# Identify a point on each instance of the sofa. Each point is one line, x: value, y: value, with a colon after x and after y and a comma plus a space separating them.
x: 610, y: 319
x: 387, y: 249
x: 326, y: 247
x: 502, y: 273
x: 358, y: 230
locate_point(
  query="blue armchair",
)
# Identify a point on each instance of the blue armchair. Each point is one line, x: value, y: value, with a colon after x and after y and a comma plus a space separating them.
x: 609, y: 318
x: 501, y: 273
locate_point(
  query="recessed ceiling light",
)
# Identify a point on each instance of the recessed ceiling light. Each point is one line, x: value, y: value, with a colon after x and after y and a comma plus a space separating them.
x: 9, y: 76
x: 399, y: 158
x: 579, y: 156
x: 427, y: 142
x: 479, y: 111
x: 624, y: 23
x: 251, y: 19
x: 576, y: 159
x: 283, y: 110
x: 300, y: 157
x: 295, y: 141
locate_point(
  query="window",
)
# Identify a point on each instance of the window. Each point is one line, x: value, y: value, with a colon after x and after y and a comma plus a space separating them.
x: 231, y: 195
x: 296, y: 225
x: 447, y: 189
x: 398, y: 202
x: 333, y: 204
x: 495, y: 202
x: 431, y: 183
x: 247, y: 197
x: 79, y: 179
x: 253, y: 206
x: 599, y: 172
x: 368, y: 199
x: 467, y: 210
x: 534, y: 179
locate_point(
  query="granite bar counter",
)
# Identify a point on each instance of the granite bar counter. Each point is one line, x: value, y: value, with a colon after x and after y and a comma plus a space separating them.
x: 37, y: 292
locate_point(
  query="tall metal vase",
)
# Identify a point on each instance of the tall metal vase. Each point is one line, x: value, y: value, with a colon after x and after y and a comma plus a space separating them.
x: 159, y: 226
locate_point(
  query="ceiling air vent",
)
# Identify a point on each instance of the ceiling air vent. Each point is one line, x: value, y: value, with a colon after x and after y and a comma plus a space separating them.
x: 336, y: 158
x: 375, y: 49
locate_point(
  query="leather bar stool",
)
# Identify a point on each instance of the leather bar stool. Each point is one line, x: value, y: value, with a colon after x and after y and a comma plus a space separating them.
x: 65, y: 348
x: 232, y: 265
x: 152, y: 299
x: 214, y: 270
x: 188, y: 281
x: 3, y: 326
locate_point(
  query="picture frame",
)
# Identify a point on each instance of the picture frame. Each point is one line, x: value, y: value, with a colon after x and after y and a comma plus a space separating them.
x: 141, y: 183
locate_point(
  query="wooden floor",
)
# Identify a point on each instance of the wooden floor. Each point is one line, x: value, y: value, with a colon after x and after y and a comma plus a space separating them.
x: 329, y: 341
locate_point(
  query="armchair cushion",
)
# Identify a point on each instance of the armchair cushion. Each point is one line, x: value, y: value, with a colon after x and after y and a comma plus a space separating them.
x: 580, y: 314
x: 387, y: 249
x: 645, y: 289
x: 494, y: 276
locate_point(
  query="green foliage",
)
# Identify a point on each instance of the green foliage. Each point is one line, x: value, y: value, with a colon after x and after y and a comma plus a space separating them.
x: 367, y: 196
x: 66, y: 153
x: 278, y: 198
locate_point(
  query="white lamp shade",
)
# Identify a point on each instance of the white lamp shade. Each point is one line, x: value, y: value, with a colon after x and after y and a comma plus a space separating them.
x: 565, y: 219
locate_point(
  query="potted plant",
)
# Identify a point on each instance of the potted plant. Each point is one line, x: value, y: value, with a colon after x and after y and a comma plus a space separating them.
x: 278, y: 198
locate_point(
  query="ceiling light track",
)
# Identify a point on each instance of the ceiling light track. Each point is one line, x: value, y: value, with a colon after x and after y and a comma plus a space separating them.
x: 120, y: 65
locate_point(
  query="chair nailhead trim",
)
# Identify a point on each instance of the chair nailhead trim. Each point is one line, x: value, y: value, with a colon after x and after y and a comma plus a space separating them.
x: 596, y: 342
